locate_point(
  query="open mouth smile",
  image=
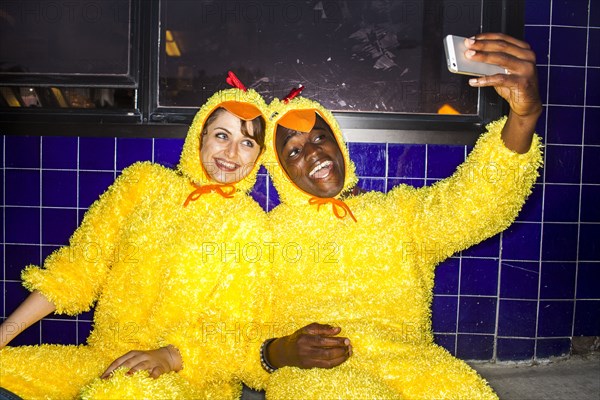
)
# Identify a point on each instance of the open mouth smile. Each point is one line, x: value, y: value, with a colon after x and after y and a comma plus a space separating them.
x: 225, y: 165
x: 321, y: 170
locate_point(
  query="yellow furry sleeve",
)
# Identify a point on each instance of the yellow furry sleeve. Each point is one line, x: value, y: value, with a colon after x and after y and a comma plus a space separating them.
x: 72, y: 276
x: 481, y: 199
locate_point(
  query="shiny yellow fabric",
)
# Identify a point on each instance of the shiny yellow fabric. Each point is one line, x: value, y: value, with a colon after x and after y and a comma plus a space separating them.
x: 159, y: 273
x: 49, y: 371
x: 374, y: 277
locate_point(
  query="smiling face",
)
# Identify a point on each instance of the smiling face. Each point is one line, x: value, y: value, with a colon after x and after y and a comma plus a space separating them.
x: 227, y: 154
x: 313, y: 160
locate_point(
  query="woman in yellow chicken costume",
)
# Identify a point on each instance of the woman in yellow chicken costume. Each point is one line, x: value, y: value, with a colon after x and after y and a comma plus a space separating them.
x: 160, y: 255
x: 365, y: 263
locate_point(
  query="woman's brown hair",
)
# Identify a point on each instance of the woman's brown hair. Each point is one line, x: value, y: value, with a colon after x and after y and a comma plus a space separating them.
x: 258, y: 127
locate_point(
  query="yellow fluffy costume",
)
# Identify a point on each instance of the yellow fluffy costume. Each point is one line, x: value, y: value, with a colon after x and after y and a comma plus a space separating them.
x: 373, y: 276
x: 160, y: 273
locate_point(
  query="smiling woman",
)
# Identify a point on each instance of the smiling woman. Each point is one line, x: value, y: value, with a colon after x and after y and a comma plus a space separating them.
x: 230, y: 145
x: 155, y: 347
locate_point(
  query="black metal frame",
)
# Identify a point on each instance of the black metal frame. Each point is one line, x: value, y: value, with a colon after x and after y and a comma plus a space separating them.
x: 147, y: 119
x: 85, y: 80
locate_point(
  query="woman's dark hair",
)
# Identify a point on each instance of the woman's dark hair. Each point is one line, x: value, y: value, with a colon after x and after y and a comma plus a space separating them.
x: 258, y: 127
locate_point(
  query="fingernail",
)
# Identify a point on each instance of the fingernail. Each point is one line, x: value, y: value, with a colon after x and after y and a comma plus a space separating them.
x: 473, y: 82
x: 469, y: 53
x: 347, y: 342
x: 469, y: 41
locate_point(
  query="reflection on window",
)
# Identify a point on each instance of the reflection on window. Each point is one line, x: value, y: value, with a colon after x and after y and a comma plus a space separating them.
x: 65, y: 37
x: 53, y: 97
x: 352, y: 55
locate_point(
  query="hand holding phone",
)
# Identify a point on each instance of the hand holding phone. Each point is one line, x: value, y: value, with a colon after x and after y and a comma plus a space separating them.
x: 457, y: 62
x: 519, y: 87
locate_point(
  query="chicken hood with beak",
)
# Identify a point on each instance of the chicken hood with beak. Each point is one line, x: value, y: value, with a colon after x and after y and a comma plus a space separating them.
x: 244, y: 104
x: 300, y: 114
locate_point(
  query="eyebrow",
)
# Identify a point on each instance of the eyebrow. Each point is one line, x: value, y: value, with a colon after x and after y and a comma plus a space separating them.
x: 225, y: 129
x: 289, y: 136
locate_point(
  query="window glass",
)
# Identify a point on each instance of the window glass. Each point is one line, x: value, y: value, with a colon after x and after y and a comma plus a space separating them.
x: 65, y: 37
x: 351, y: 55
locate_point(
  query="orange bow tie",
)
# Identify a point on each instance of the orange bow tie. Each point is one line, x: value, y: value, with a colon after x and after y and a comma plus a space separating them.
x: 200, y: 190
x: 336, y: 205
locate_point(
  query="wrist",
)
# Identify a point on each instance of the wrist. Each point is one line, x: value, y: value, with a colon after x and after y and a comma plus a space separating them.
x: 277, y: 353
x: 174, y: 358
x: 267, y: 356
x: 531, y: 115
x: 517, y: 133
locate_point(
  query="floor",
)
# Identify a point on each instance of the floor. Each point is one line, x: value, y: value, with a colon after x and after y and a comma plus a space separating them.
x: 577, y: 378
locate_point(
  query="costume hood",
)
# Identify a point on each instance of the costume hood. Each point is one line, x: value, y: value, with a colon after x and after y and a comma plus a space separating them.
x: 295, y: 114
x: 245, y: 104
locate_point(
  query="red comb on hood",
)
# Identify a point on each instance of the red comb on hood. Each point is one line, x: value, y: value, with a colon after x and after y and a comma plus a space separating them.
x: 234, y: 81
x: 293, y: 93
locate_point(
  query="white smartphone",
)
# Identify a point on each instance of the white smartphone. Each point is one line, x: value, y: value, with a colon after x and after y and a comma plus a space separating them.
x: 457, y: 62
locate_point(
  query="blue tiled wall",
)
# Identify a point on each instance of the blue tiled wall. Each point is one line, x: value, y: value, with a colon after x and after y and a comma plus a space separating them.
x: 520, y: 295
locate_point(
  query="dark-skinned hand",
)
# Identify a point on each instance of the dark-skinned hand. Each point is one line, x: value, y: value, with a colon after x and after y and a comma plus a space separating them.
x: 519, y: 87
x: 313, y: 346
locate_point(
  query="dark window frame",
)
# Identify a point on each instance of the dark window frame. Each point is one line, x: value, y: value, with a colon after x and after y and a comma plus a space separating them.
x: 147, y: 119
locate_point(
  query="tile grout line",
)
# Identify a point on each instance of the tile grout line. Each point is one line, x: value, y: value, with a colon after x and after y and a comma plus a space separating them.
x: 569, y: 66
x: 489, y: 296
x: 387, y: 161
x: 581, y: 171
x: 558, y: 26
x: 77, y: 189
x: 537, y: 311
x: 456, y: 329
x: 498, y: 297
x: 573, y: 106
x: 570, y: 105
x: 3, y: 226
x: 458, y: 296
x: 153, y: 150
x: 115, y: 160
x: 41, y: 202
